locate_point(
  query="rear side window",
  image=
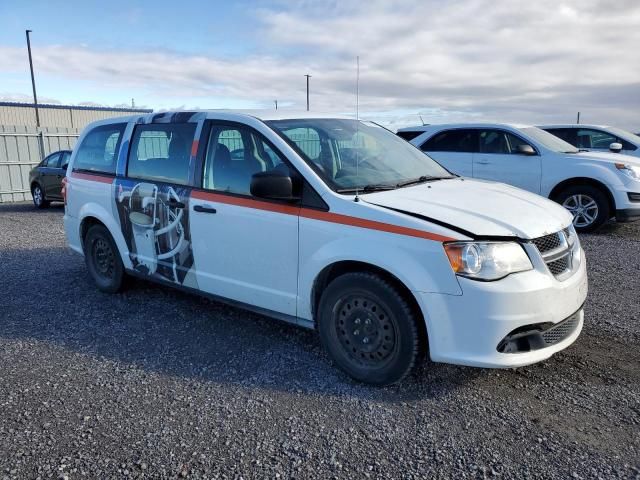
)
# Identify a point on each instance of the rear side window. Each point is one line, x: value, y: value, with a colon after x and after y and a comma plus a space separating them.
x: 408, y: 136
x: 98, y: 152
x: 452, y: 141
x: 566, y: 134
x: 161, y: 152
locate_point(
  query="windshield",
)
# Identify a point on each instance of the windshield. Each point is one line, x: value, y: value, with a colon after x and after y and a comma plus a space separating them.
x: 548, y: 140
x: 351, y: 154
x: 624, y: 134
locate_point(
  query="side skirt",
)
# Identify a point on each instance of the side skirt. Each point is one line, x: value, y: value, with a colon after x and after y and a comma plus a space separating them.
x: 283, y: 317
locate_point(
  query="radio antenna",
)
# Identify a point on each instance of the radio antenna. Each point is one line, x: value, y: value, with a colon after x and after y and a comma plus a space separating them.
x: 421, y: 120
x: 357, y: 199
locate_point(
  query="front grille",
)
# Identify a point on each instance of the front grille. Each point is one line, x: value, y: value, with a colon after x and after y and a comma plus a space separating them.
x: 556, y: 250
x: 561, y: 331
x: 547, y: 243
x: 559, y: 266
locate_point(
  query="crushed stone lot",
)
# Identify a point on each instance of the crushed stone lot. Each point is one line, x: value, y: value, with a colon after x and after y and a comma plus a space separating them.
x: 158, y: 383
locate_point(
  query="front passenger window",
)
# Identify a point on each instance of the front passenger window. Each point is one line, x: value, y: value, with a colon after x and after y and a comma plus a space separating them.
x: 233, y: 156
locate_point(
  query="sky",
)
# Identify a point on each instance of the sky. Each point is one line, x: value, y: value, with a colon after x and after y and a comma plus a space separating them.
x: 431, y: 61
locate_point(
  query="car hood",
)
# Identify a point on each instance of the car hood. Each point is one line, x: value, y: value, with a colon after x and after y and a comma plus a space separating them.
x: 481, y: 208
x: 604, y: 157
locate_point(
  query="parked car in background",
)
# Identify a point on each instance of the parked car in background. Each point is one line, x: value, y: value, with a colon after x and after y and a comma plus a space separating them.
x: 593, y: 186
x: 597, y: 138
x: 46, y: 178
x: 332, y: 224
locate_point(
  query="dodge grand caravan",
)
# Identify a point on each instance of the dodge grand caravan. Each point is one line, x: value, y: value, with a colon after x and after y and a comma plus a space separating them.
x: 333, y: 224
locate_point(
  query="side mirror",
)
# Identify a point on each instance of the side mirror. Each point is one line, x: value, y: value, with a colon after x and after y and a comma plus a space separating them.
x: 273, y: 184
x: 524, y: 149
x: 615, y: 147
x: 64, y: 167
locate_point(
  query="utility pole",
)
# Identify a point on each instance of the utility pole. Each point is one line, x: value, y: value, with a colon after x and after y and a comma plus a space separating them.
x: 308, y: 76
x: 33, y: 80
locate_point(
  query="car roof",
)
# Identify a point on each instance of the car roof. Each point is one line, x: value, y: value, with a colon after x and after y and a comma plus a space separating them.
x: 222, y: 114
x: 572, y: 125
x: 440, y: 126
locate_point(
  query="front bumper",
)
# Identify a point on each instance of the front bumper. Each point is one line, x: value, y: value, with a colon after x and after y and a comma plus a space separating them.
x: 628, y: 215
x: 468, y: 329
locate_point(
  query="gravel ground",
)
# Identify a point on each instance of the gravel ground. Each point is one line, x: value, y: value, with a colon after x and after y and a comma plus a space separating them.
x: 157, y: 383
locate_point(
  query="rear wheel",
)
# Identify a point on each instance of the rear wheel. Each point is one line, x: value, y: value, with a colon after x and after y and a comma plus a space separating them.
x: 103, y: 259
x: 38, y: 196
x: 368, y: 328
x: 588, y: 205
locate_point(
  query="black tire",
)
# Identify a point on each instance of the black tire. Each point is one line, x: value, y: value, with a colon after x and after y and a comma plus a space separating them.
x: 37, y: 194
x: 369, y: 329
x: 103, y: 260
x: 577, y: 197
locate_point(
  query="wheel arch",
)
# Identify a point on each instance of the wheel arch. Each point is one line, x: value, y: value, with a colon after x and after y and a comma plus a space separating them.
x: 93, y: 214
x: 338, y: 268
x: 577, y: 181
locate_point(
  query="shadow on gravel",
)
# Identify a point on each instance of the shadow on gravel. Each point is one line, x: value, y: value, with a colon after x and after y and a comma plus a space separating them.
x: 24, y: 207
x: 48, y: 296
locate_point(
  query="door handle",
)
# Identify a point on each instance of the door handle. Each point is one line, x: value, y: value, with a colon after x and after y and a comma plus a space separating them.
x: 483, y: 162
x: 176, y: 204
x: 203, y: 209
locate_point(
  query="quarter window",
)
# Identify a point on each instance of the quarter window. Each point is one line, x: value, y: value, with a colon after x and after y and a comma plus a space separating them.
x: 162, y: 152
x: 233, y: 156
x: 451, y: 141
x: 98, y: 151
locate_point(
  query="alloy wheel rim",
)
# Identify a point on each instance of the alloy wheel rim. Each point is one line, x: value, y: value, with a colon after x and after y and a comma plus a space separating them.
x: 365, y: 331
x: 104, y: 258
x: 37, y: 195
x: 583, y: 208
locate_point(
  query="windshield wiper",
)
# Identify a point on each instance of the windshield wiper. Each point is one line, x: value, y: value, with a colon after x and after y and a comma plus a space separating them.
x: 421, y: 179
x: 368, y: 188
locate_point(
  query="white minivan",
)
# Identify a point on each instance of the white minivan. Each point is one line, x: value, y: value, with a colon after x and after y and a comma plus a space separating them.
x: 333, y: 224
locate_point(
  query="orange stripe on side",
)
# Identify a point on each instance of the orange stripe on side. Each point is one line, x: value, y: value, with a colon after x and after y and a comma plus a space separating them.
x: 372, y: 225
x: 194, y: 148
x: 319, y: 215
x: 93, y: 178
x: 245, y: 202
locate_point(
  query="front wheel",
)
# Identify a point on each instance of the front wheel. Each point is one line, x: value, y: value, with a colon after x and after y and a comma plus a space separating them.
x: 369, y: 329
x: 38, y: 196
x: 588, y: 205
x: 103, y: 259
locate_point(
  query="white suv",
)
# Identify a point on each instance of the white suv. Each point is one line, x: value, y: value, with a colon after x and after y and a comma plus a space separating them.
x: 593, y: 186
x: 332, y: 224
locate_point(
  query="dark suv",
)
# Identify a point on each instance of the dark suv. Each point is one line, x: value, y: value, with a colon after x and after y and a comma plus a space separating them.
x: 46, y: 178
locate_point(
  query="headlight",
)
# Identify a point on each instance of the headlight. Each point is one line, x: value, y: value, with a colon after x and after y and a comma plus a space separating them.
x: 629, y: 170
x: 487, y: 260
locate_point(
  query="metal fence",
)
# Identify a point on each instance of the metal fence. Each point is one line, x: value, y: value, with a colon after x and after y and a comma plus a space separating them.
x: 21, y: 148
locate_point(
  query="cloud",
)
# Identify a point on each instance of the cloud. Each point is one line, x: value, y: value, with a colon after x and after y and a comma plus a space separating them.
x: 473, y: 59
